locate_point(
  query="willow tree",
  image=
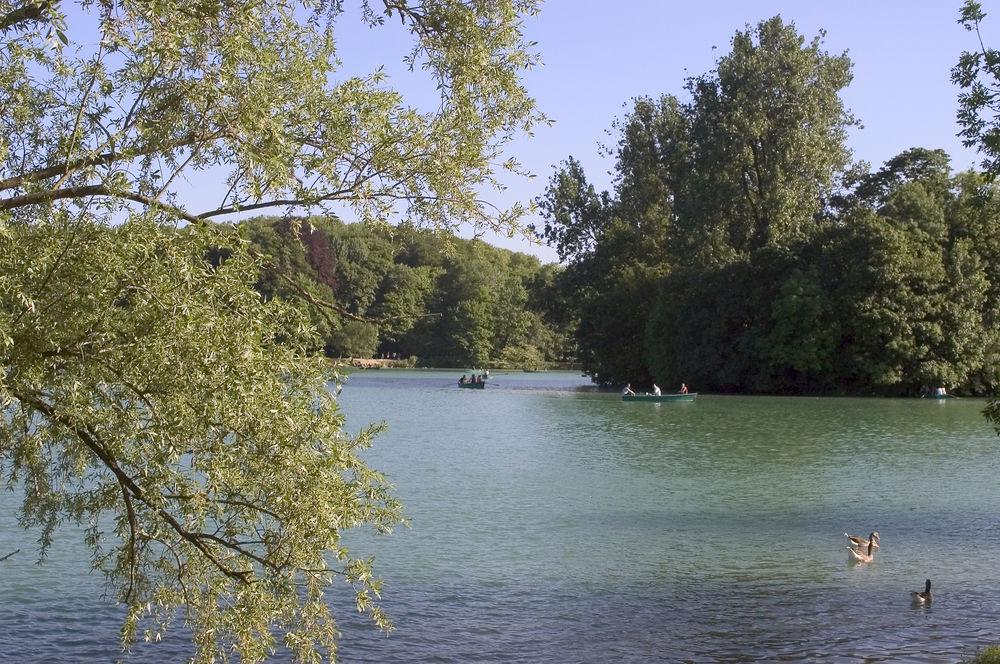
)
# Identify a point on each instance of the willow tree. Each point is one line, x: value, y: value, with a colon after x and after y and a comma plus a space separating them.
x: 147, y: 391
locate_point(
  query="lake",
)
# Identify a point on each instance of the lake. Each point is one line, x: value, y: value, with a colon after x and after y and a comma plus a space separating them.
x: 554, y: 523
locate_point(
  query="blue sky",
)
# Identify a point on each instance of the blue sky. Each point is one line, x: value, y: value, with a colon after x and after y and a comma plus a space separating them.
x: 598, y: 55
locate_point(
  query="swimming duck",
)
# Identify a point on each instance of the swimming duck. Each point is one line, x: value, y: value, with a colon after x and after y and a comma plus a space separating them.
x: 861, y: 556
x: 862, y: 542
x: 924, y: 597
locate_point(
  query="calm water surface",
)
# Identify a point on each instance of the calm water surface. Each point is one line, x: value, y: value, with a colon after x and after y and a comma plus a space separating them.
x: 553, y: 523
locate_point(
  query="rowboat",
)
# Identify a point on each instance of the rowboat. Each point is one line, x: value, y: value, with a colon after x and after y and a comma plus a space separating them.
x: 659, y: 398
x: 473, y: 386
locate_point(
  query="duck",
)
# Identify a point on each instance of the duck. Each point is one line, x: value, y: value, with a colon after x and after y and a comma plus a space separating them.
x: 922, y: 597
x: 860, y: 556
x: 861, y: 542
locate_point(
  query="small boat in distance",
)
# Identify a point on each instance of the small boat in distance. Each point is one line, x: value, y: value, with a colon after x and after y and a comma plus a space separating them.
x: 473, y: 386
x: 660, y: 398
x: 475, y: 381
x: 935, y: 393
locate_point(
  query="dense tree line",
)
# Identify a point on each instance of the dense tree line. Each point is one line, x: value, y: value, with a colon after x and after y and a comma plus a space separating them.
x: 371, y: 290
x: 742, y: 251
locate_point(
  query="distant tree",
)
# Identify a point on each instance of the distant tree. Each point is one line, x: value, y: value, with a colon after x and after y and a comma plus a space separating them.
x: 402, y: 300
x: 548, y: 298
x: 521, y: 357
x: 611, y: 334
x: 364, y: 259
x: 931, y: 168
x: 896, y: 292
x: 300, y: 264
x: 615, y: 246
x: 575, y: 214
x: 354, y: 339
x: 767, y: 130
x: 745, y: 165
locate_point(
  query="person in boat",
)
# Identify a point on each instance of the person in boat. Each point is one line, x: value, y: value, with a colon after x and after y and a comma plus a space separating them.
x: 656, y: 390
x: 627, y: 390
x: 940, y: 392
x: 684, y: 389
x: 462, y: 380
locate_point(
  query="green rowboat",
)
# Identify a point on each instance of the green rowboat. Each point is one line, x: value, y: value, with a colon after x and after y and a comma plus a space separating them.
x: 473, y: 386
x: 659, y: 398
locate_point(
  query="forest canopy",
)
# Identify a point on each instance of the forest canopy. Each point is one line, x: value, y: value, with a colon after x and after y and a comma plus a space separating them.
x: 413, y: 293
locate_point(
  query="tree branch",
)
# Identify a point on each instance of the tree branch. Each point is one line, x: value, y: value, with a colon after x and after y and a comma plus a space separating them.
x: 287, y: 202
x: 28, y: 12
x: 74, y: 135
x: 91, y: 441
x: 226, y: 501
x: 102, y: 160
x: 83, y: 191
x: 322, y: 304
x: 133, y: 527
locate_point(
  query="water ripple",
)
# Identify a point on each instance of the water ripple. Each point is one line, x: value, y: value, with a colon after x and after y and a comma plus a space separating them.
x: 553, y: 524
